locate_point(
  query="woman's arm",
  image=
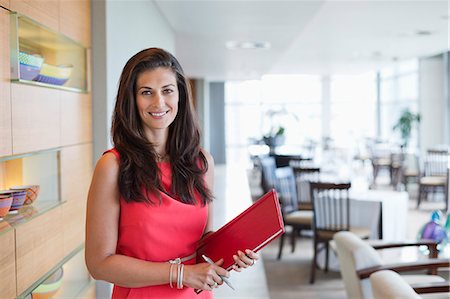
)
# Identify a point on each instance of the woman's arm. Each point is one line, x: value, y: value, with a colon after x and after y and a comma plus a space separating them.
x: 102, y: 224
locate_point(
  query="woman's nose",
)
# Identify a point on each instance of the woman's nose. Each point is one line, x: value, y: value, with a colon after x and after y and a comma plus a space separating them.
x: 158, y: 100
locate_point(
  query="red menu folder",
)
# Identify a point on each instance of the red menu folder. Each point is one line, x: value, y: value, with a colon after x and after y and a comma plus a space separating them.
x: 253, y: 229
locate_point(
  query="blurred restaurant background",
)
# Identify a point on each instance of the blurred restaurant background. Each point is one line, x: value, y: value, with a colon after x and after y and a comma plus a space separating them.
x: 343, y: 107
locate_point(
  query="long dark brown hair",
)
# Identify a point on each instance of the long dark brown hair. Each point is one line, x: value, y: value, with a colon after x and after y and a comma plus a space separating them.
x: 139, y: 174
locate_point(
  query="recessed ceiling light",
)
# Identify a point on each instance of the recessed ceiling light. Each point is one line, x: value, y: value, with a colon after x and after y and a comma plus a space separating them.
x: 423, y: 32
x: 233, y: 45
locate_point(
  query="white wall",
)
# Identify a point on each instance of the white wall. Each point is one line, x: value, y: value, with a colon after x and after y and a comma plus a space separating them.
x: 120, y: 30
x: 432, y: 104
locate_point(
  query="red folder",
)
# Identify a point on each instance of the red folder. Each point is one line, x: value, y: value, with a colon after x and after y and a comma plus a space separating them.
x: 253, y: 229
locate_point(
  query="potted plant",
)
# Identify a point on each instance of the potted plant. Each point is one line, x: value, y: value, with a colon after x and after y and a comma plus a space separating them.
x: 275, y: 137
x: 405, y: 124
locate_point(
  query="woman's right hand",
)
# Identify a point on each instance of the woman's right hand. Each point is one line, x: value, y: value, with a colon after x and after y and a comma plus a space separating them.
x: 204, y: 276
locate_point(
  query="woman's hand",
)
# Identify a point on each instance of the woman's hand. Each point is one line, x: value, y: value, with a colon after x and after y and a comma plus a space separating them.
x: 244, y: 260
x: 204, y: 276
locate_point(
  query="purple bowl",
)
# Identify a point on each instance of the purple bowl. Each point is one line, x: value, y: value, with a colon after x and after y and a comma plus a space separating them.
x: 28, y: 72
x: 50, y: 80
x: 18, y: 200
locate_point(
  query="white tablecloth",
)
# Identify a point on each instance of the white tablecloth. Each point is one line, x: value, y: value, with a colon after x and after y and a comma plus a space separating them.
x: 365, y: 212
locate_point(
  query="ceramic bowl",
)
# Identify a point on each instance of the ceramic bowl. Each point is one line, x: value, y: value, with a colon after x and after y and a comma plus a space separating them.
x: 5, y: 204
x: 56, y: 71
x: 30, y: 65
x: 18, y: 198
x: 50, y: 286
x: 31, y: 190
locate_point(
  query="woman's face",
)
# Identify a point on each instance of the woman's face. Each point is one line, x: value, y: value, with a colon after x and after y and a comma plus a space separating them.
x: 157, y: 99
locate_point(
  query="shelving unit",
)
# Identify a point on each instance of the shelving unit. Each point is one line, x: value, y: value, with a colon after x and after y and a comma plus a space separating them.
x: 63, y: 54
x: 45, y: 139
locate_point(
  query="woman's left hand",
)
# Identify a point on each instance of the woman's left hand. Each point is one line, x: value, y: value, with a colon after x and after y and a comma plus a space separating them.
x: 244, y: 260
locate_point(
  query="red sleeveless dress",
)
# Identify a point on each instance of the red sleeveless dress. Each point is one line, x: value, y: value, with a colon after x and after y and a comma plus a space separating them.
x: 159, y: 233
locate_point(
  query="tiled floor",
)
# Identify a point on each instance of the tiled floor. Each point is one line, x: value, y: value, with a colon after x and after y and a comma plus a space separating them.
x: 288, y: 278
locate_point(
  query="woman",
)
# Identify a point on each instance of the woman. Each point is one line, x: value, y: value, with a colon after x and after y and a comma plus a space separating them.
x: 150, y: 196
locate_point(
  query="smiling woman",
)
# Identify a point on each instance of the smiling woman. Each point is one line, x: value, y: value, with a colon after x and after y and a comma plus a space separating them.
x: 149, y: 201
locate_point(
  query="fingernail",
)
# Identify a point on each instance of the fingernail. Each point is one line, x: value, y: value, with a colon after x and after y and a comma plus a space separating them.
x: 247, y: 251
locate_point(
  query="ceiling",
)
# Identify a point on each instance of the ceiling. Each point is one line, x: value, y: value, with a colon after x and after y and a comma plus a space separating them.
x: 306, y: 37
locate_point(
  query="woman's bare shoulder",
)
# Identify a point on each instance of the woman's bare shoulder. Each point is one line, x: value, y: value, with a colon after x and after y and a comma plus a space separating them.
x: 208, y: 156
x: 107, y: 166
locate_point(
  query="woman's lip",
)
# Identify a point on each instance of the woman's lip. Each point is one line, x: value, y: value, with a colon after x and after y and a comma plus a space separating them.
x: 158, y: 114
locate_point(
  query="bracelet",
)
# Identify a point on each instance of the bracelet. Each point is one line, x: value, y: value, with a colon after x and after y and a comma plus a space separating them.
x: 171, y: 275
x: 180, y: 271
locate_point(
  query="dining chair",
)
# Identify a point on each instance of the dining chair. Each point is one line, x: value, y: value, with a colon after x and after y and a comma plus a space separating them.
x: 289, y: 160
x: 381, y: 159
x: 331, y: 214
x: 434, y: 176
x: 268, y: 176
x: 358, y: 259
x: 297, y: 219
x: 303, y: 176
x: 410, y: 170
x: 388, y: 284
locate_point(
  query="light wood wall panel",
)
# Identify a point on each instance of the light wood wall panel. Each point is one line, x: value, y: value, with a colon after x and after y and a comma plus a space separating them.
x: 43, y: 11
x: 75, y: 20
x: 76, y: 118
x: 35, y: 118
x: 5, y: 85
x: 8, y: 264
x: 4, y: 3
x: 76, y: 172
x: 39, y: 247
x: 74, y: 215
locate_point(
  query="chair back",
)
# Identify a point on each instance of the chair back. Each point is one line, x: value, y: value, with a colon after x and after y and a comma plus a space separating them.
x: 303, y: 177
x: 331, y: 206
x: 436, y: 163
x: 268, y: 176
x: 354, y: 254
x: 286, y: 189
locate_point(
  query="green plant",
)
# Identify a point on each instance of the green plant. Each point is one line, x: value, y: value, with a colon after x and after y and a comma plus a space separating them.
x: 405, y: 124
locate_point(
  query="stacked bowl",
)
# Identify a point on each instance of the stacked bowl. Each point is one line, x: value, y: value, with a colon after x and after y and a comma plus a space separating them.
x: 54, y: 74
x: 50, y: 286
x: 5, y: 204
x: 30, y: 65
x: 18, y: 196
x: 32, y: 192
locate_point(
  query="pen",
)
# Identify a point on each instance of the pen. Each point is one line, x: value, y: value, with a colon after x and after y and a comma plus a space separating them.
x: 209, y: 261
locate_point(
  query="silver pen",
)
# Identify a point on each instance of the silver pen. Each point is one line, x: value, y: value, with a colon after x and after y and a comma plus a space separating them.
x: 209, y: 261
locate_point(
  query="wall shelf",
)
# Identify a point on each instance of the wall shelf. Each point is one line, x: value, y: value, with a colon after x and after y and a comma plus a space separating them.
x: 40, y: 168
x: 75, y: 279
x: 43, y: 57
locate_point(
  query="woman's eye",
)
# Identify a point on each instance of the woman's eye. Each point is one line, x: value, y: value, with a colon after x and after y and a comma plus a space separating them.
x: 168, y: 90
x: 146, y: 92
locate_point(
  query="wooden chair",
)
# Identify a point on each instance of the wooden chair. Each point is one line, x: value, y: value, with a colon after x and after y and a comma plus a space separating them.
x: 410, y: 170
x: 287, y: 194
x: 303, y: 176
x: 268, y: 176
x: 331, y: 214
x: 435, y: 175
x: 288, y: 160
